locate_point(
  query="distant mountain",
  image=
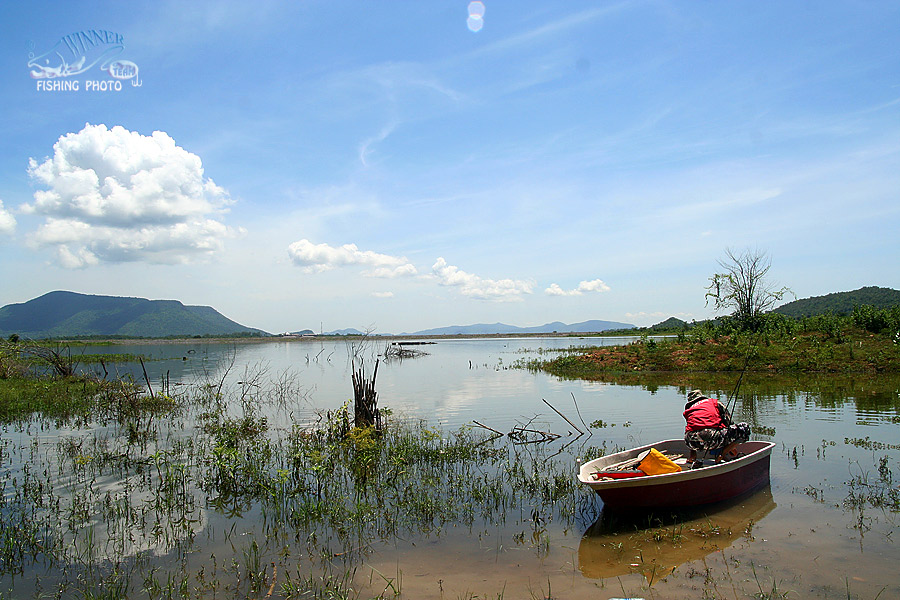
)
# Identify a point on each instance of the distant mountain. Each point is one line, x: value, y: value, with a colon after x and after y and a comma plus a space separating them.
x: 670, y: 323
x: 841, y: 303
x: 68, y: 314
x: 347, y: 331
x: 501, y: 328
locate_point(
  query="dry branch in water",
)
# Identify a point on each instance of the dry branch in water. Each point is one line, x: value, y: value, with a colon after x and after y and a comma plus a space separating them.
x: 365, y: 398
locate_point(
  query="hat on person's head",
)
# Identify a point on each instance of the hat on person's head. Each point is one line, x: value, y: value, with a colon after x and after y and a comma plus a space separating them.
x: 695, y: 395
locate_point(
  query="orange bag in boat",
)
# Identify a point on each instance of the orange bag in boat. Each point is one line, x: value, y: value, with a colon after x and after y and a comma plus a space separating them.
x: 656, y: 463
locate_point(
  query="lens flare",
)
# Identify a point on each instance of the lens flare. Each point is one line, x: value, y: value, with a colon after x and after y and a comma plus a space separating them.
x: 476, y: 16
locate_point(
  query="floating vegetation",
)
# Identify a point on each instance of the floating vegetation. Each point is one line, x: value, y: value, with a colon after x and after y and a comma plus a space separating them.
x: 401, y: 350
x: 601, y: 424
x: 870, y: 444
x: 867, y: 490
x: 124, y: 357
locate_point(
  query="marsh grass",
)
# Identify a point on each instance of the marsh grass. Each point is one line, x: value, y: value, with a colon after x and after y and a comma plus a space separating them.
x: 868, y: 490
x: 76, y: 399
x: 113, y: 493
x: 46, y: 385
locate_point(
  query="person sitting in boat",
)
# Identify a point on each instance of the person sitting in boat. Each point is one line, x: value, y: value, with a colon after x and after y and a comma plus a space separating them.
x: 708, y: 426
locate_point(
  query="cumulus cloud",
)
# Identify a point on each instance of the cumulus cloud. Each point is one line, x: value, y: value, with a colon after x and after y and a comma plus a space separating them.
x: 383, y: 294
x: 114, y: 195
x: 7, y: 221
x: 555, y: 290
x: 316, y: 258
x: 595, y: 285
x: 474, y: 286
x: 80, y: 244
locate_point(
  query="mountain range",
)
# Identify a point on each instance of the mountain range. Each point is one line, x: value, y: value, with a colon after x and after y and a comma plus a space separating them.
x: 69, y: 314
x: 501, y: 328
x: 60, y: 314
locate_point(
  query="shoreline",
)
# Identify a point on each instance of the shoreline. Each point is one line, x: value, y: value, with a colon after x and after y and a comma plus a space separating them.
x: 320, y: 338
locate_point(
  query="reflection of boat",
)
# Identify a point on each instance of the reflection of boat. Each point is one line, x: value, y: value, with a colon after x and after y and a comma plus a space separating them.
x: 711, y: 483
x: 618, y: 544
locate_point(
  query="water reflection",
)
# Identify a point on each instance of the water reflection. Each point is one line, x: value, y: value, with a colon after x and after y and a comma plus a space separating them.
x: 654, y: 544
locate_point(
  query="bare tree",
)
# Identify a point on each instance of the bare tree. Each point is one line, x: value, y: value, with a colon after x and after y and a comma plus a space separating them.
x: 744, y: 288
x: 58, y: 358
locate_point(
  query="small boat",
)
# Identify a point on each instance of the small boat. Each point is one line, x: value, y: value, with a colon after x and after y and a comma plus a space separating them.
x: 713, y: 482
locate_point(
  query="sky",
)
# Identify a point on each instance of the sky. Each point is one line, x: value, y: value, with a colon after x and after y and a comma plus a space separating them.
x: 399, y: 166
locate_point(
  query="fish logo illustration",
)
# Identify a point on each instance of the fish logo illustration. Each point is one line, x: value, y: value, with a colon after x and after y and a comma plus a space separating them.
x: 78, y: 52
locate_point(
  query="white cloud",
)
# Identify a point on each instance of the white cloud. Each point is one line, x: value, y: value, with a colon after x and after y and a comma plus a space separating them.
x: 404, y: 270
x: 316, y: 258
x: 367, y: 147
x: 723, y: 202
x: 7, y: 221
x: 114, y: 195
x: 476, y: 287
x: 555, y: 290
x: 79, y: 244
x: 595, y: 285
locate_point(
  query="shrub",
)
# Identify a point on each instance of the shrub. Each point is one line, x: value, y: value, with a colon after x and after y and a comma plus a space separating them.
x: 876, y: 320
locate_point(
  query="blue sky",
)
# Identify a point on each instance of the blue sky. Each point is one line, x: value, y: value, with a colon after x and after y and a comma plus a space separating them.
x: 380, y: 165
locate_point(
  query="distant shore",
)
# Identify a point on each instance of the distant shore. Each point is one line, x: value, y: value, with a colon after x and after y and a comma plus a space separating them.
x: 853, y: 352
x: 318, y: 338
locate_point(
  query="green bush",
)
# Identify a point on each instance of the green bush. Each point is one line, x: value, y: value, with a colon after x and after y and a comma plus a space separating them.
x: 876, y: 320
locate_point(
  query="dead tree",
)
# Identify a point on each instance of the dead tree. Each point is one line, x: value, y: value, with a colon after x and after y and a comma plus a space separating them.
x: 59, y: 359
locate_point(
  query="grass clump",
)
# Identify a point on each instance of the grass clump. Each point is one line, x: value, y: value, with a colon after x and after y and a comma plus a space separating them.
x: 40, y: 380
x: 80, y: 398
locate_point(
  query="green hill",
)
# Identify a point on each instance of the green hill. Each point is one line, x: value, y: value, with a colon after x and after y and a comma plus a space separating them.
x: 841, y: 303
x: 670, y: 324
x: 68, y: 314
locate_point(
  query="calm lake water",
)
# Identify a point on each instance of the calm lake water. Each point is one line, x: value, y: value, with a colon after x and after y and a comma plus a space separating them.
x: 824, y: 528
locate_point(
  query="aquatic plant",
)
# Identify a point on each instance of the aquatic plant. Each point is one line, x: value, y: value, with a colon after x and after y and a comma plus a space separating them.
x: 143, y: 477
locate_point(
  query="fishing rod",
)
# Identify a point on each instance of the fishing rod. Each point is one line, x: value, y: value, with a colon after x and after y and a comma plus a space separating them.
x: 737, y: 386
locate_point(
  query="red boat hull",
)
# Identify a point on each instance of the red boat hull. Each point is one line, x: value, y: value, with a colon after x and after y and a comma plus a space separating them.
x: 713, y: 483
